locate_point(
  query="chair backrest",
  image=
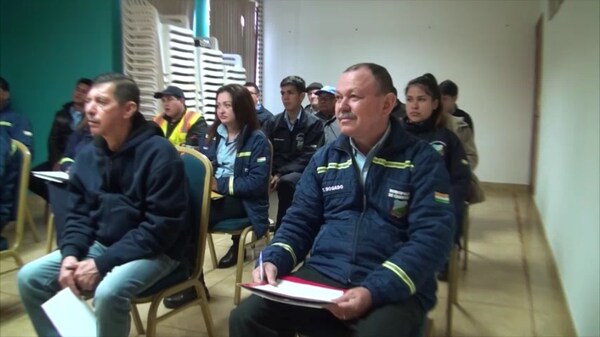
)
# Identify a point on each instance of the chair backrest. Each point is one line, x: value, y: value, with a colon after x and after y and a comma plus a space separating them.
x: 25, y: 164
x: 198, y: 172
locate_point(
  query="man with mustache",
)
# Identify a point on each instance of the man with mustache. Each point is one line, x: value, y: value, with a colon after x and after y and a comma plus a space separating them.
x: 372, y: 209
x: 180, y: 125
x: 126, y: 226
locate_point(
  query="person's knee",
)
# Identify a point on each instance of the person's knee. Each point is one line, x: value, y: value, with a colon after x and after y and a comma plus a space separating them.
x: 22, y: 277
x: 238, y: 316
x: 25, y: 275
x: 107, y: 296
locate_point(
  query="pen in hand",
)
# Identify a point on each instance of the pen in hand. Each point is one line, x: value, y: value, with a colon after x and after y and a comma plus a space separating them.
x: 261, y: 268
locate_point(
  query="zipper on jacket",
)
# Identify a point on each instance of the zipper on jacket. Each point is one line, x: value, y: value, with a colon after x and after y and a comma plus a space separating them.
x: 109, y: 175
x: 360, y: 219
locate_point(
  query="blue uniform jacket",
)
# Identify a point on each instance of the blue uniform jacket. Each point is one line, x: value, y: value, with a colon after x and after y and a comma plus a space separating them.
x: 133, y: 200
x: 17, y: 126
x: 292, y: 149
x: 9, y: 177
x: 251, y: 174
x: 77, y: 141
x: 390, y: 236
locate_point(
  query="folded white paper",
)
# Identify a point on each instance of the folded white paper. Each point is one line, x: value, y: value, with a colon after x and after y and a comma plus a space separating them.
x: 71, y: 316
x: 54, y: 176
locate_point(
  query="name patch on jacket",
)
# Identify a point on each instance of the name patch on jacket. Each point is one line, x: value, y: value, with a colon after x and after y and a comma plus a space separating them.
x: 333, y: 188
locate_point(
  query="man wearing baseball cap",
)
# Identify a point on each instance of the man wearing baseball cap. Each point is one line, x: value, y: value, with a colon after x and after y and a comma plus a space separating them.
x: 313, y: 105
x: 180, y: 125
x: 326, y: 113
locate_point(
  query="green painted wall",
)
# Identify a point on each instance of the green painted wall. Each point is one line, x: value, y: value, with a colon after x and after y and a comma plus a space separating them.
x: 46, y: 45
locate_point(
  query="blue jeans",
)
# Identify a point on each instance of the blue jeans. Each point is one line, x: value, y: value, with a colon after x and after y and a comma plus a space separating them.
x: 38, y: 282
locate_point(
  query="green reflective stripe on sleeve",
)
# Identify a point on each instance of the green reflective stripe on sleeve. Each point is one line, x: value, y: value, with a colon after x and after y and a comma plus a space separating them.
x: 5, y: 123
x: 66, y: 160
x: 231, y: 185
x: 393, y: 164
x: 28, y: 133
x: 244, y: 154
x: 334, y: 166
x: 402, y: 275
x: 289, y: 249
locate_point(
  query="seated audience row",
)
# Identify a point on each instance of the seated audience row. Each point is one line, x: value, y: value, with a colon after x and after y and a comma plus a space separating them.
x: 376, y: 207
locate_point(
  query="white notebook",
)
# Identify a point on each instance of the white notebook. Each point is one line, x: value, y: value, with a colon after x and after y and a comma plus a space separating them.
x: 296, y: 291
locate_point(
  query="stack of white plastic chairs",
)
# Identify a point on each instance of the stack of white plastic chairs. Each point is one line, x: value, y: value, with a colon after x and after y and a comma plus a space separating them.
x: 211, y: 75
x: 141, y: 51
x: 234, y: 72
x: 180, y: 66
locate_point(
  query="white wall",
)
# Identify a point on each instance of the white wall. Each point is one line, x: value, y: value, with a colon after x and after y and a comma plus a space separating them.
x: 486, y: 47
x: 569, y: 166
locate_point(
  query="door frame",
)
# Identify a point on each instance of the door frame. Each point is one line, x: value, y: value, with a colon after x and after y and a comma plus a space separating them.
x: 537, y: 86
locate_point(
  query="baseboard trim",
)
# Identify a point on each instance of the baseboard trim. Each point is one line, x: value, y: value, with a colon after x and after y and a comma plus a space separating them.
x: 486, y: 185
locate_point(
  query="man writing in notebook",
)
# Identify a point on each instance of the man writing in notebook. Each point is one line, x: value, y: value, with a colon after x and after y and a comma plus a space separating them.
x: 126, y: 225
x: 372, y: 210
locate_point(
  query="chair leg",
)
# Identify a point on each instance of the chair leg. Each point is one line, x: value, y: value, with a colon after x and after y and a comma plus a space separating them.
x: 210, y: 327
x: 50, y: 233
x: 454, y: 277
x: 31, y: 225
x: 152, y: 318
x: 211, y: 248
x: 240, y: 266
x: 137, y: 321
x: 452, y: 289
x: 466, y: 227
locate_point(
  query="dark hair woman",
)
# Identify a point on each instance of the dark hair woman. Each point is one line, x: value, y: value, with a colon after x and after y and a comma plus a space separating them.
x: 424, y: 119
x: 241, y: 160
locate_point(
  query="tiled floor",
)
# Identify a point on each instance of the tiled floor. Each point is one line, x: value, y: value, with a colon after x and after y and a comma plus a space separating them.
x: 510, y: 288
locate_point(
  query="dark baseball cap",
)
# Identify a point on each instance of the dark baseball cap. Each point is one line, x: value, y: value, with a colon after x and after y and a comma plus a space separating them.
x: 314, y: 85
x: 170, y: 91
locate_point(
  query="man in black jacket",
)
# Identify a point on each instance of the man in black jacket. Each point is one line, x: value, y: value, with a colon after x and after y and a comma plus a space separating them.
x: 262, y: 113
x: 296, y: 135
x: 449, y: 91
x: 127, y: 225
x: 65, y: 121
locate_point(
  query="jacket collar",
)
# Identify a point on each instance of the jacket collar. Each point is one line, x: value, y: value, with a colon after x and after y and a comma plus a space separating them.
x: 140, y: 131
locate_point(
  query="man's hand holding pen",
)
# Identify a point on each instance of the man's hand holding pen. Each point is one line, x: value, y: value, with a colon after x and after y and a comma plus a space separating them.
x: 268, y: 273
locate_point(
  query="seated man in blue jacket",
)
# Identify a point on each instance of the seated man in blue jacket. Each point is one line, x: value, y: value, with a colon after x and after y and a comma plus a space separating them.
x: 296, y: 135
x: 126, y: 226
x: 372, y: 208
x: 9, y: 174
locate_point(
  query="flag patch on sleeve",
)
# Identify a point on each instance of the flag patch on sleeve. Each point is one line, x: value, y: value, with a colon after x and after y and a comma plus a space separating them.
x: 442, y: 198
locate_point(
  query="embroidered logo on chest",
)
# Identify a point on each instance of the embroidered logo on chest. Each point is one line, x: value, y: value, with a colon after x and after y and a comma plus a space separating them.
x: 400, y: 202
x: 439, y: 146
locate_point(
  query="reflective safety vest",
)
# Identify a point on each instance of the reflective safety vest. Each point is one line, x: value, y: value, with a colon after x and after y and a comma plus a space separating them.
x: 179, y: 133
